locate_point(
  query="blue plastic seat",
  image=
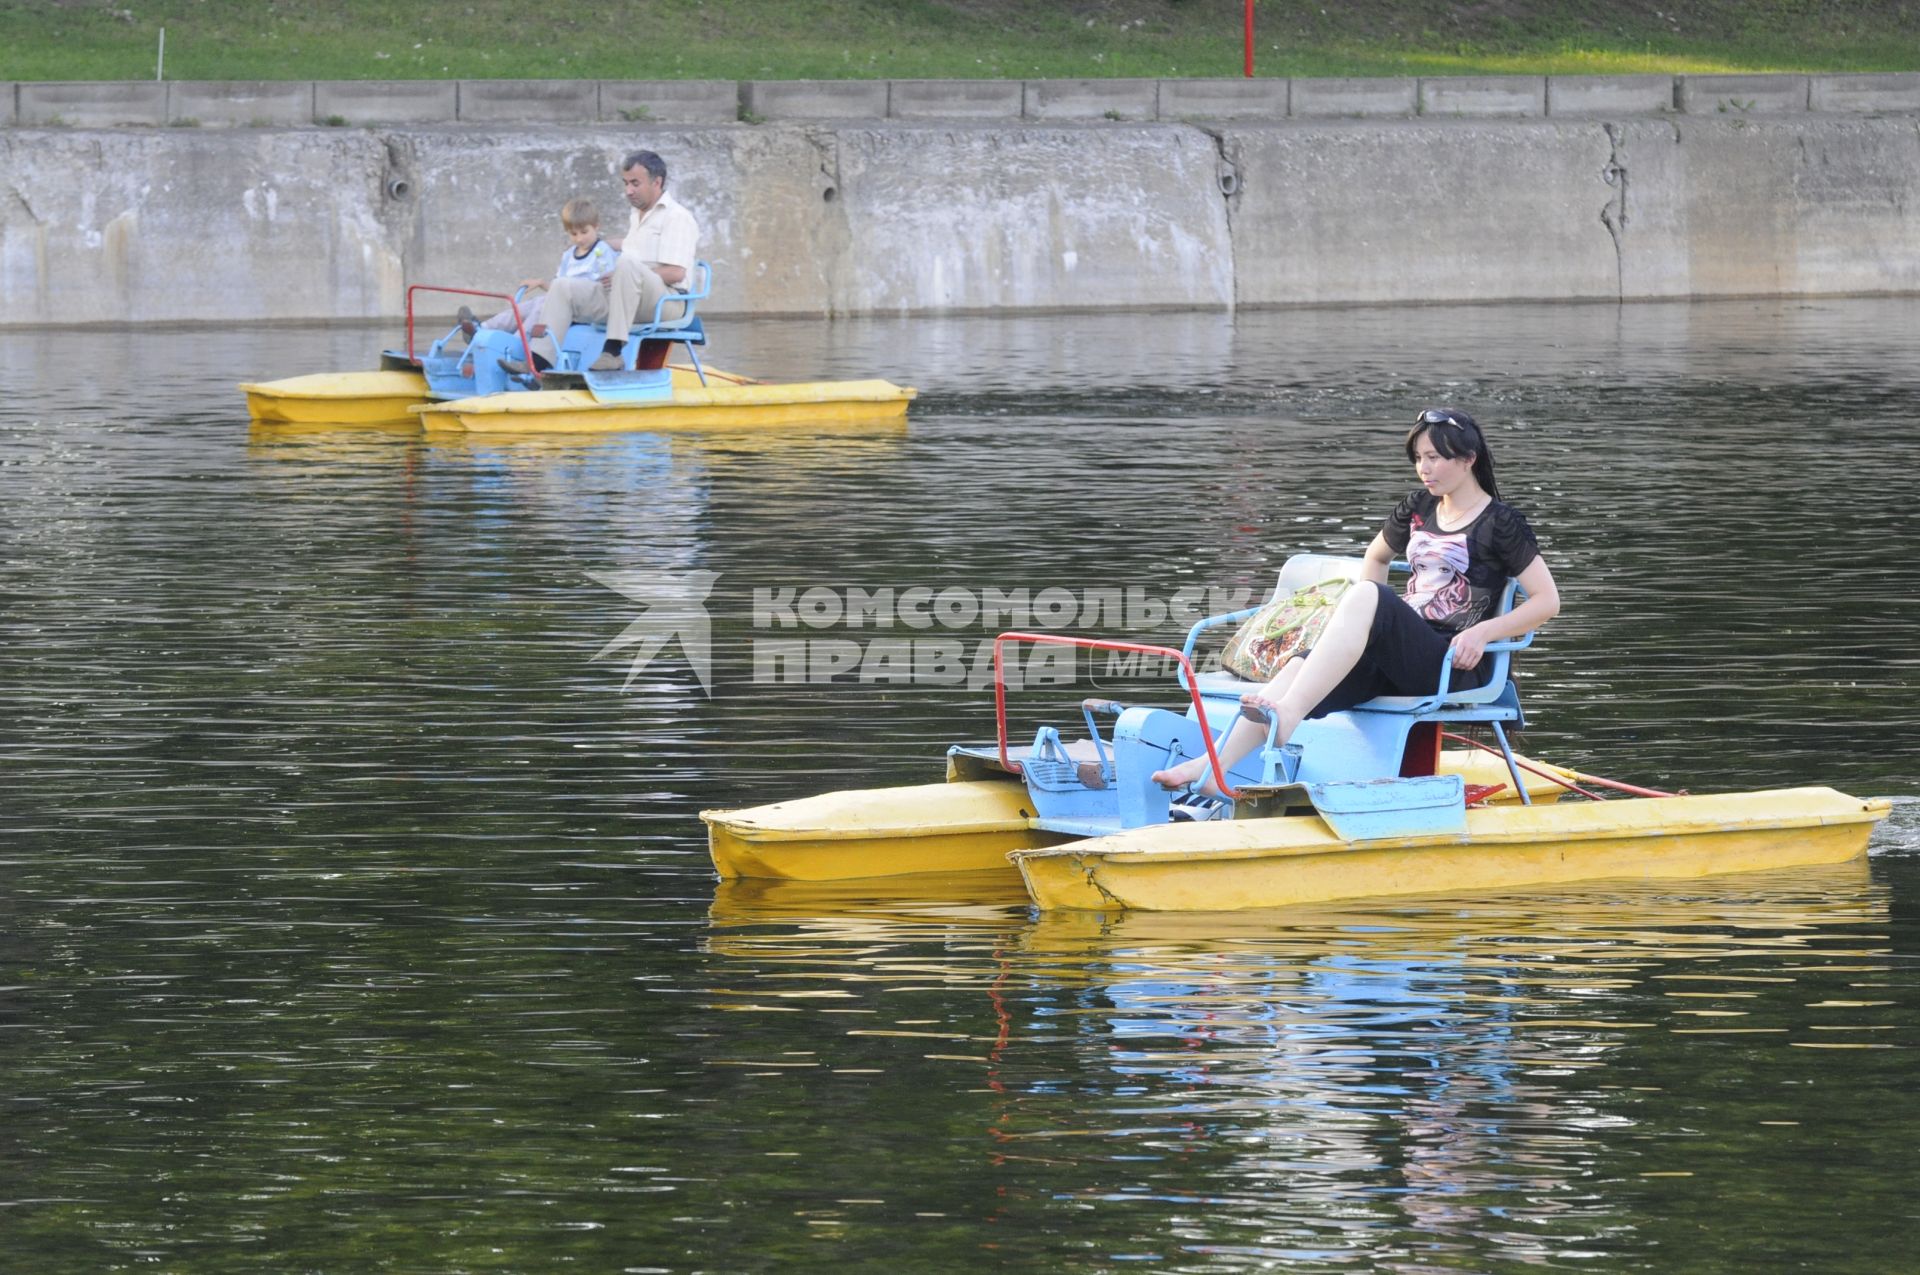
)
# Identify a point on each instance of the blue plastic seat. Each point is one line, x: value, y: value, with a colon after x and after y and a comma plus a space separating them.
x: 676, y: 319
x: 1494, y: 705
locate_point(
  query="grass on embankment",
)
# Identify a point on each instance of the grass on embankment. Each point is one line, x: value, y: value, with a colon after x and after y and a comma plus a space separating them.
x: 879, y: 39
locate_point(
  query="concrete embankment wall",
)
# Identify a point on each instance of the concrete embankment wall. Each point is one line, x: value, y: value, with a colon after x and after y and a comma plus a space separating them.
x: 928, y: 197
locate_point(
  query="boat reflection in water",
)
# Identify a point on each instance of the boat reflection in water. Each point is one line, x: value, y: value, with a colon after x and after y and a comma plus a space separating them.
x: 850, y: 439
x: 1541, y: 948
x: 1399, y: 1071
x: 1599, y: 958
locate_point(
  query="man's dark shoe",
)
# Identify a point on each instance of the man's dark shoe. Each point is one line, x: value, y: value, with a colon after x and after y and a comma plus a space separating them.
x: 467, y: 320
x: 513, y: 367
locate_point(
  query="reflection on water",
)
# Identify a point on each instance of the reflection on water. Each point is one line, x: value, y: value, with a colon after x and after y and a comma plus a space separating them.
x: 1417, y: 1084
x: 355, y: 917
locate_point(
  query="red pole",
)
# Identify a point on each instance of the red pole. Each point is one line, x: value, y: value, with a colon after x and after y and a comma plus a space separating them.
x: 459, y: 292
x: 1249, y: 39
x: 1096, y: 644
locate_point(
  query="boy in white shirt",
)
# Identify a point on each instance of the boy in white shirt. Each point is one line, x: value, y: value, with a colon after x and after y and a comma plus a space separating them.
x: 591, y: 258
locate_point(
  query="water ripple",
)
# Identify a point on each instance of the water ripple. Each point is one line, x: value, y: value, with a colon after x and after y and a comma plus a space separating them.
x: 358, y: 916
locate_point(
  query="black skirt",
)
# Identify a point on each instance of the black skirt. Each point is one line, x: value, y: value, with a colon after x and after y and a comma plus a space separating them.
x: 1402, y: 657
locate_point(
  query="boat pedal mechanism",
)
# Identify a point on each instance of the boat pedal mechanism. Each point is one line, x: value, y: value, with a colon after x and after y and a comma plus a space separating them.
x: 1194, y: 808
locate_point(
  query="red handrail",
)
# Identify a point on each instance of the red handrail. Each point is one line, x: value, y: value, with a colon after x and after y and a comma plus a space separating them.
x: 1098, y: 644
x: 519, y: 324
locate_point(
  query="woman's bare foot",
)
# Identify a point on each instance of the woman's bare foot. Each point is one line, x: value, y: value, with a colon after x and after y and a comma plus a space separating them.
x: 1176, y: 778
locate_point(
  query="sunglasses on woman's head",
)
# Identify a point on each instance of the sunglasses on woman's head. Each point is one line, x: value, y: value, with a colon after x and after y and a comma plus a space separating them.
x: 1444, y: 416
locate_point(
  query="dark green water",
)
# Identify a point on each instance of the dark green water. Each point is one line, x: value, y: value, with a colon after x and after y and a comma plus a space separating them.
x: 356, y: 918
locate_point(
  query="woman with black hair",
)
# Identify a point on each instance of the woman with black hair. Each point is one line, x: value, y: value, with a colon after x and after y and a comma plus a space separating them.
x: 1462, y: 542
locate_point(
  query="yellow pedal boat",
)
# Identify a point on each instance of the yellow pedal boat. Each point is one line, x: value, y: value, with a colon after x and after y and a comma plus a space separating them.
x: 990, y: 826
x: 462, y: 383
x: 386, y: 399
x: 1360, y: 803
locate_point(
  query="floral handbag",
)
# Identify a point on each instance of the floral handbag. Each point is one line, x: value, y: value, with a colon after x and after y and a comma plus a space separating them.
x: 1282, y: 629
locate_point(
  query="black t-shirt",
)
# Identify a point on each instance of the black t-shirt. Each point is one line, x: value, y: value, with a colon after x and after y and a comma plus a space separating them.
x: 1458, y: 575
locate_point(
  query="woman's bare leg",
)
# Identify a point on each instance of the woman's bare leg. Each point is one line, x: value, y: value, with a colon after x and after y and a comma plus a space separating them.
x: 1292, y: 694
x: 1332, y: 658
x: 1247, y: 734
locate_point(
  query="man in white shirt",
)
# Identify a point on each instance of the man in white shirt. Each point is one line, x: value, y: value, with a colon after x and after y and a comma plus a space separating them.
x: 656, y: 256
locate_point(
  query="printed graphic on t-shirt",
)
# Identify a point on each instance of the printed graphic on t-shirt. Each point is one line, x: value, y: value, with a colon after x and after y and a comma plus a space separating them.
x: 598, y: 261
x: 1439, y: 590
